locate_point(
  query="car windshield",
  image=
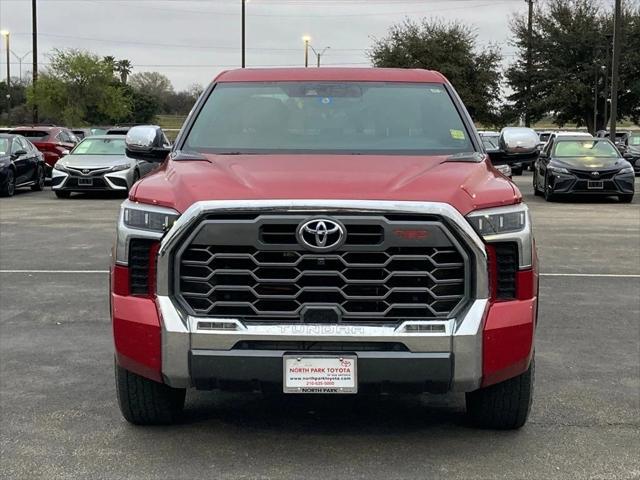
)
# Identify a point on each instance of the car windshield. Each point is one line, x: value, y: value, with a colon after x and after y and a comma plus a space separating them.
x: 4, y: 146
x: 586, y: 148
x: 316, y: 117
x: 100, y: 146
x: 634, y: 140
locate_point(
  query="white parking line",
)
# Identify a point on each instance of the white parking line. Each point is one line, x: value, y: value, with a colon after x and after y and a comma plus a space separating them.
x: 606, y: 275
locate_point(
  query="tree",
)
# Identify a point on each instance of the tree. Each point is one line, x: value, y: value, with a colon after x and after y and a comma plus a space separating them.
x: 452, y: 49
x: 78, y: 88
x: 123, y: 67
x: 152, y: 83
x: 570, y: 43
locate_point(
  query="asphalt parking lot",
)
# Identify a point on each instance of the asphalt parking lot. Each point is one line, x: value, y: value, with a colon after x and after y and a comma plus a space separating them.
x: 59, y: 417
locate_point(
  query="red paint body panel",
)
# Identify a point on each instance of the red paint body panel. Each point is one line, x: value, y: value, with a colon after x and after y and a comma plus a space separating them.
x: 137, y: 335
x: 331, y: 75
x: 466, y: 186
x: 508, y: 340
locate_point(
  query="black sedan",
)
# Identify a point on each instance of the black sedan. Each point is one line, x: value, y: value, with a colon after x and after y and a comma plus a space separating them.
x: 582, y: 165
x: 21, y: 165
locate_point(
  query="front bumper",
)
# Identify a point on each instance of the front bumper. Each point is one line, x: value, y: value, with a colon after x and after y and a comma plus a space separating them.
x: 111, y: 181
x: 563, y: 184
x: 485, y: 343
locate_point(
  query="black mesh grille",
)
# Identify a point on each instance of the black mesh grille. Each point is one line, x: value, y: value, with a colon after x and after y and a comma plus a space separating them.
x: 387, y: 284
x: 139, y: 257
x: 506, y: 269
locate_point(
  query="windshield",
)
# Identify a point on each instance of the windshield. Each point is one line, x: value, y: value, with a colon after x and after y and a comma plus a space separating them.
x: 586, y: 148
x: 100, y: 146
x: 4, y: 146
x: 317, y: 117
x: 634, y: 140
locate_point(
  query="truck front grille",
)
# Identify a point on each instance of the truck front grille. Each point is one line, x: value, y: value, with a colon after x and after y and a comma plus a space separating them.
x: 377, y: 277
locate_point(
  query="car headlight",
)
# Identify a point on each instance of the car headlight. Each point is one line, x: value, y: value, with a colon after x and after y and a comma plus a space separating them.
x: 506, y: 224
x: 139, y: 220
x: 504, y: 169
x: 124, y: 166
x: 557, y: 169
x: 628, y: 169
x: 60, y: 167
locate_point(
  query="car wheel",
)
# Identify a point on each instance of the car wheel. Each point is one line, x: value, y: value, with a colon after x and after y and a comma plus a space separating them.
x: 626, y: 198
x: 9, y: 188
x: 505, y: 405
x: 548, y: 193
x: 145, y: 402
x: 63, y: 194
x: 38, y: 186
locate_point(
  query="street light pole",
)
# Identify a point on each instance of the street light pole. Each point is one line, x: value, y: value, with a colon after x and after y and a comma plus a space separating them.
x: 527, y: 114
x: 243, y: 32
x: 306, y: 39
x: 5, y: 34
x: 34, y: 48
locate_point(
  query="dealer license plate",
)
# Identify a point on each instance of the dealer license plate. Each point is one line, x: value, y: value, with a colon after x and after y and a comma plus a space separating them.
x: 85, y: 182
x: 320, y: 374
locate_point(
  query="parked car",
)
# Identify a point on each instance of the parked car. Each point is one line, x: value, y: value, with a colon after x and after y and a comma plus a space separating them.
x: 491, y: 142
x: 579, y: 165
x: 54, y: 142
x: 620, y: 140
x: 326, y: 231
x: 5, y: 130
x: 21, y: 165
x: 81, y: 133
x: 632, y: 150
x: 98, y: 163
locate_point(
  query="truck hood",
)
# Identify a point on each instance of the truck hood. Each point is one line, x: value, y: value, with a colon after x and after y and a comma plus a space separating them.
x: 465, y: 185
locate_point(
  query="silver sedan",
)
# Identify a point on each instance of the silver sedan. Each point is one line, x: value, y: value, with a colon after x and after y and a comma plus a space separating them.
x: 97, y: 163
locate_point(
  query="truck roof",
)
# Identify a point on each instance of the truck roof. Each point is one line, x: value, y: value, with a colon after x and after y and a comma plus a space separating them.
x: 331, y: 75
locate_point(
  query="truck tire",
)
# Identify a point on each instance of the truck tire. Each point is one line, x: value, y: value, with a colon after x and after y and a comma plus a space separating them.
x: 145, y: 402
x: 505, y: 405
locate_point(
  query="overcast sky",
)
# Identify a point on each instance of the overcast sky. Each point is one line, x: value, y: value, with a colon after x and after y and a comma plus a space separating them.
x: 191, y: 40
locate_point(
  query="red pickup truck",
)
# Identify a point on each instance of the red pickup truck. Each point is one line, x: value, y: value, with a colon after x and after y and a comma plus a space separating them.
x: 326, y: 231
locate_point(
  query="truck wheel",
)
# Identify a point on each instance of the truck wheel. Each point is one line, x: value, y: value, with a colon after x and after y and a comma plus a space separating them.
x: 505, y: 405
x: 145, y: 402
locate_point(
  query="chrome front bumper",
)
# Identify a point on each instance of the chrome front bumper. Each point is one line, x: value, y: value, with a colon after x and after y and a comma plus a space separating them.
x: 460, y: 337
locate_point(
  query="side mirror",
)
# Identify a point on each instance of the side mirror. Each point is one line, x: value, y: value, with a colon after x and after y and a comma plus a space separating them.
x: 627, y: 155
x: 516, y: 144
x: 18, y: 153
x: 147, y: 142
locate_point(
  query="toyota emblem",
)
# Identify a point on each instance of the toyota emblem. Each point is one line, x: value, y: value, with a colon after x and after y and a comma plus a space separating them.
x: 595, y: 174
x: 86, y: 171
x: 321, y: 234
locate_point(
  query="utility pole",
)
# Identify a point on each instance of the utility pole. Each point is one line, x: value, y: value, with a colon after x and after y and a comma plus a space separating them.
x: 617, y: 39
x: 20, y: 60
x: 527, y: 115
x: 34, y: 48
x: 5, y: 34
x: 243, y: 31
x: 607, y: 59
x: 595, y: 103
x: 318, y: 54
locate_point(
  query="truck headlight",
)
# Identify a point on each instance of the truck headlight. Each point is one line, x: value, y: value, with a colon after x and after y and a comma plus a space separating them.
x: 506, y: 224
x: 140, y: 220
